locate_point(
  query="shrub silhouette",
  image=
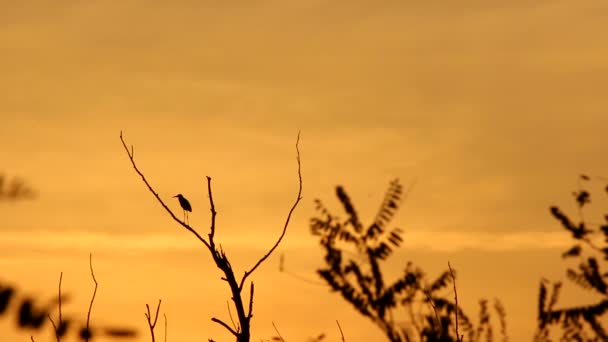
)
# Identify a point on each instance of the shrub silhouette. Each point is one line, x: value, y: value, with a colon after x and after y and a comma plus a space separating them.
x: 15, y: 190
x: 590, y: 248
x: 32, y: 314
x: 361, y: 282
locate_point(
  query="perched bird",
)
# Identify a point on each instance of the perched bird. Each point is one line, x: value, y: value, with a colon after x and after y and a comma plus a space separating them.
x: 183, y: 202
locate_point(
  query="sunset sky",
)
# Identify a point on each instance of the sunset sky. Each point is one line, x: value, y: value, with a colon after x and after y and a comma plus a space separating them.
x: 489, y: 110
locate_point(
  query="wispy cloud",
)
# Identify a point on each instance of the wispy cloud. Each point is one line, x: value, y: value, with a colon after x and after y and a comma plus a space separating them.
x: 437, y: 241
x: 486, y: 241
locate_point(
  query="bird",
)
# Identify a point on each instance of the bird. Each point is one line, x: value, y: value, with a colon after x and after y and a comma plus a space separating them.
x: 183, y: 202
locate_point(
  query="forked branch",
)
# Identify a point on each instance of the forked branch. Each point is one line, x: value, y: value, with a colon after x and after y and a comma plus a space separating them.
x: 152, y: 324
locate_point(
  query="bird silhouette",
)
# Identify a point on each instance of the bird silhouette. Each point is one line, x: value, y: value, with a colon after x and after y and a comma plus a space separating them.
x: 183, y: 202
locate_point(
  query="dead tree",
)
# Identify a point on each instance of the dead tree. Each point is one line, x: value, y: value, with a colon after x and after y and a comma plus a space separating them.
x: 244, y: 313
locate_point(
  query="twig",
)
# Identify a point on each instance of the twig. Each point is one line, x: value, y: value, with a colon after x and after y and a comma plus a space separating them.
x: 230, y: 314
x: 88, y: 335
x: 282, y: 269
x: 459, y: 337
x: 220, y: 322
x: 432, y: 304
x: 293, y: 207
x: 182, y: 223
x: 165, y: 315
x: 55, y: 329
x: 278, y: 333
x: 32, y: 338
x: 153, y: 324
x: 213, y: 212
x: 341, y: 333
x: 250, y: 314
x: 59, y: 298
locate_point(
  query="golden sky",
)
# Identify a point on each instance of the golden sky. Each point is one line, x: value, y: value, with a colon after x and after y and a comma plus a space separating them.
x: 492, y: 109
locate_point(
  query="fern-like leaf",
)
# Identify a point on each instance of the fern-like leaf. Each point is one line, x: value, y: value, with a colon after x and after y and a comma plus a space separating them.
x: 442, y: 281
x: 349, y: 208
x: 572, y: 252
x: 387, y: 210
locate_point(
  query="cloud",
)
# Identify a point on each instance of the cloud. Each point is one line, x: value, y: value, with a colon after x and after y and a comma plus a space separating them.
x: 486, y: 241
x: 437, y: 241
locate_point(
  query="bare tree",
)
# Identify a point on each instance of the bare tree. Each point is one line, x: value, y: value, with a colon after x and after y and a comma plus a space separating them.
x: 242, y: 330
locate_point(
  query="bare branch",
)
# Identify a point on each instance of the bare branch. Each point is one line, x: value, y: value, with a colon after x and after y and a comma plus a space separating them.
x: 59, y: 298
x: 432, y: 304
x: 165, y: 315
x: 250, y: 314
x: 293, y: 207
x: 230, y: 314
x: 55, y: 328
x: 152, y: 324
x: 182, y: 223
x: 278, y: 333
x: 88, y: 335
x: 341, y: 333
x: 220, y: 322
x: 213, y: 212
x: 459, y: 337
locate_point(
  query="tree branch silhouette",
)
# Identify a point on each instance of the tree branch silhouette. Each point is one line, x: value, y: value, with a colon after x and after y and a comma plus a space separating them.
x: 165, y: 316
x: 59, y: 330
x: 291, y: 210
x: 143, y: 178
x: 341, y: 333
x: 219, y: 256
x: 459, y: 337
x: 152, y: 324
x: 87, y: 331
x: 222, y: 323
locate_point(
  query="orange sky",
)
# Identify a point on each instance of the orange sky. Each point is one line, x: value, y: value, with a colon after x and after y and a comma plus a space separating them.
x: 494, y: 109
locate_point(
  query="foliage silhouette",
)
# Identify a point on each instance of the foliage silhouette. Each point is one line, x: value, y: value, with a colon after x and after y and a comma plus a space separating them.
x: 242, y: 331
x: 578, y: 323
x: 361, y: 282
x: 15, y: 190
x: 32, y: 314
